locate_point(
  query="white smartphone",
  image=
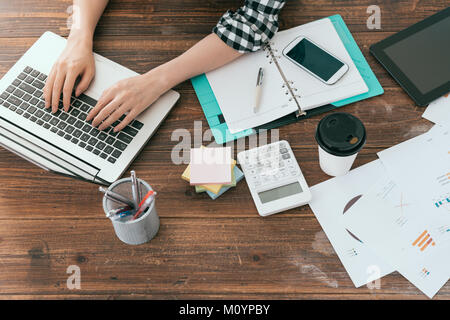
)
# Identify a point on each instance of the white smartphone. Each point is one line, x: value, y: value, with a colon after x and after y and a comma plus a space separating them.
x: 315, y: 60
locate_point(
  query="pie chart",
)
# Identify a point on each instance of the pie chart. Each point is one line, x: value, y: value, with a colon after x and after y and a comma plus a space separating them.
x: 348, y: 206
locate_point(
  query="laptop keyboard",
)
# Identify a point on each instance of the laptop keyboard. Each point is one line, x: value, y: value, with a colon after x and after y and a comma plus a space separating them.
x: 24, y: 96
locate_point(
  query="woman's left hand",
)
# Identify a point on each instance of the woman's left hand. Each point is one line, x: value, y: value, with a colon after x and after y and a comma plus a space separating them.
x: 132, y: 95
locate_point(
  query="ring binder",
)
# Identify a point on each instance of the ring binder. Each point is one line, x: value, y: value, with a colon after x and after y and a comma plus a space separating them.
x: 214, y: 114
x: 270, y: 52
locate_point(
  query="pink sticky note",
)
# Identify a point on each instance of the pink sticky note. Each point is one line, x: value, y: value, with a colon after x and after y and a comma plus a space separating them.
x: 210, y: 166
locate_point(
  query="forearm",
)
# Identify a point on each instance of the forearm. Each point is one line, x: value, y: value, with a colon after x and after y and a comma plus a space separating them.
x: 86, y: 14
x: 206, y: 55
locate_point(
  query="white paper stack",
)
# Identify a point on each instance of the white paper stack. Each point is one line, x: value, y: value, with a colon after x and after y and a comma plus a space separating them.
x: 394, y: 213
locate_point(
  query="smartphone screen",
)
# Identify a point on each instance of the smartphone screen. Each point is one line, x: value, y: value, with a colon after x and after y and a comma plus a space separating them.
x: 315, y: 59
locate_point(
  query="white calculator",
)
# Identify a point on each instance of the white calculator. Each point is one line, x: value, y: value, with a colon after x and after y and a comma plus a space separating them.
x: 274, y: 178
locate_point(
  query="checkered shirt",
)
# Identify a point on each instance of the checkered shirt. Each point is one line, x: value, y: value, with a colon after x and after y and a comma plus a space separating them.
x: 251, y: 26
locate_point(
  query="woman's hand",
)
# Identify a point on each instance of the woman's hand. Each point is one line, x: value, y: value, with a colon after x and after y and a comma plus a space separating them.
x: 132, y: 95
x: 76, y: 61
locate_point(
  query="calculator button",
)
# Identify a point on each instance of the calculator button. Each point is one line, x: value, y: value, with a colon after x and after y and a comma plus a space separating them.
x: 283, y: 150
x: 286, y: 156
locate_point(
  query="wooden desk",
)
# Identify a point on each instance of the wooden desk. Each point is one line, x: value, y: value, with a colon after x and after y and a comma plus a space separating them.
x: 205, y: 248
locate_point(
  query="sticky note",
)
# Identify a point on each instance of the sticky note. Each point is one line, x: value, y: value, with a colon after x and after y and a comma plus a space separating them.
x: 239, y: 176
x: 210, y: 166
x: 214, y: 188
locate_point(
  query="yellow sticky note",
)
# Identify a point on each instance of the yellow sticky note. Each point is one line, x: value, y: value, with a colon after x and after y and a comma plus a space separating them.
x: 202, y: 188
x: 214, y: 188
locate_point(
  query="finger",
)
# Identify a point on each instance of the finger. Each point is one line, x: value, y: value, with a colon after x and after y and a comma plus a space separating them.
x: 106, y: 111
x: 56, y: 91
x: 86, y: 79
x: 113, y: 117
x: 68, y: 88
x: 105, y: 98
x: 49, y: 87
x: 130, y: 116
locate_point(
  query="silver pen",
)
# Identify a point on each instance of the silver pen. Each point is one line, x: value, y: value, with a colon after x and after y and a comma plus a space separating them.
x: 134, y: 189
x: 259, y: 82
x: 116, y: 197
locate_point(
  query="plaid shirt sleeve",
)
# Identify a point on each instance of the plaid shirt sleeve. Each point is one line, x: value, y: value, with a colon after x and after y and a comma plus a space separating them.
x: 251, y: 26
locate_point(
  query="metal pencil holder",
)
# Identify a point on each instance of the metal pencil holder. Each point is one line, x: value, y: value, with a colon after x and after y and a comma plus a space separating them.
x: 138, y: 231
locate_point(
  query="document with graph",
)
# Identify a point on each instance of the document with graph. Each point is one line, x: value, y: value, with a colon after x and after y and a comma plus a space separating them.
x: 331, y: 202
x: 405, y: 216
x: 421, y: 168
x: 396, y: 229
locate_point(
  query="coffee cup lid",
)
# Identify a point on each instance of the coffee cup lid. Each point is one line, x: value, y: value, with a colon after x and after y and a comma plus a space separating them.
x: 341, y: 134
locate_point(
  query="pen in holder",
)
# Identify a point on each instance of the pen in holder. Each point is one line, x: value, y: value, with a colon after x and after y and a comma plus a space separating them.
x: 130, y: 231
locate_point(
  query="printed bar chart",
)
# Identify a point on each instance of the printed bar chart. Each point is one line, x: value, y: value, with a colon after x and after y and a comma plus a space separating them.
x: 423, y: 241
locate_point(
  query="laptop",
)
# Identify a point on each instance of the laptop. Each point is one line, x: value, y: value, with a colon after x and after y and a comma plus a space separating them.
x: 64, y: 142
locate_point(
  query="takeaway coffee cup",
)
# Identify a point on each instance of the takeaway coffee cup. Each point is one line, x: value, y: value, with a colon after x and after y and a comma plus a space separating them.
x: 340, y: 136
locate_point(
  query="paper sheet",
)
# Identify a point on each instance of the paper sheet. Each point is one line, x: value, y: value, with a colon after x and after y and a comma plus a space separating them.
x: 420, y: 167
x: 331, y: 201
x: 394, y: 226
x: 234, y: 87
x: 439, y: 111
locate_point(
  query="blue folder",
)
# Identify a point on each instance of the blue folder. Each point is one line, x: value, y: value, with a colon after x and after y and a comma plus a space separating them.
x: 214, y: 115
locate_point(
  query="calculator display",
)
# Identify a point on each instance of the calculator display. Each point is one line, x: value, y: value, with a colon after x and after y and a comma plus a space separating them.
x: 280, y: 192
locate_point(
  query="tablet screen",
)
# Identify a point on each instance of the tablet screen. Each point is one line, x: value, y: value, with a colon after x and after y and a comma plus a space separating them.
x: 424, y: 56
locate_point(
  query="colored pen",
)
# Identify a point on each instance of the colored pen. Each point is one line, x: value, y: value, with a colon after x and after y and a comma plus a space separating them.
x: 113, y: 212
x: 123, y: 215
x: 144, y: 205
x: 151, y: 192
x: 117, y: 197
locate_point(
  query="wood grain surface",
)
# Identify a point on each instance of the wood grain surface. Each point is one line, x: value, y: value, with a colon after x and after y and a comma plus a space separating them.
x: 204, y: 249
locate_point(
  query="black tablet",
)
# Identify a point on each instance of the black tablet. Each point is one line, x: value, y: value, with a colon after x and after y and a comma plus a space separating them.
x: 418, y: 58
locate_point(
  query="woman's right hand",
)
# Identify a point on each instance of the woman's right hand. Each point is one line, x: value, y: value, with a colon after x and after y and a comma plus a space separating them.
x: 76, y: 61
